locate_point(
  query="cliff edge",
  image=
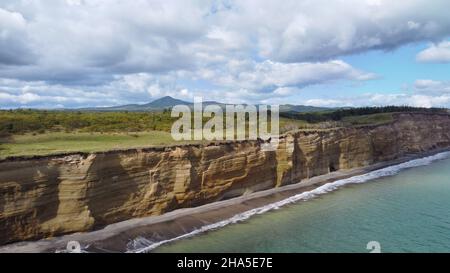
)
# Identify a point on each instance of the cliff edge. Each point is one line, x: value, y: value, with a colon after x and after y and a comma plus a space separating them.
x: 53, y: 195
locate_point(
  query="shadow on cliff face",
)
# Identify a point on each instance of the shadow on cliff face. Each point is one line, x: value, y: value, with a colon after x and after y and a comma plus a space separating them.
x: 33, y: 193
x: 109, y: 189
x: 334, y: 157
x: 324, y: 159
x: 299, y: 169
x: 49, y: 199
x: 257, y: 171
x: 194, y: 185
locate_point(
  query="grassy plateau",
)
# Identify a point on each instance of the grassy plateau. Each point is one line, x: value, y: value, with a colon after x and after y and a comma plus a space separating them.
x: 36, y: 132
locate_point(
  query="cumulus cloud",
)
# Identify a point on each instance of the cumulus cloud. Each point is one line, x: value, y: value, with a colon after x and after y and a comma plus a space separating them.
x: 88, y: 41
x: 424, y: 93
x: 134, y: 88
x: 381, y: 99
x: 328, y: 103
x: 103, y: 52
x: 432, y: 87
x: 13, y: 39
x: 270, y: 76
x: 318, y: 30
x: 430, y: 101
x: 436, y: 53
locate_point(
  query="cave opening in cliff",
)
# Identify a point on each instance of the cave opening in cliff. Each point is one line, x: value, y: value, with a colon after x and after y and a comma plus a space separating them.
x: 332, y: 168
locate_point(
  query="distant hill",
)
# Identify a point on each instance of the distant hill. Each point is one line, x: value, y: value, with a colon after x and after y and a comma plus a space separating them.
x: 169, y: 102
x: 302, y: 108
x: 156, y: 105
x: 165, y: 102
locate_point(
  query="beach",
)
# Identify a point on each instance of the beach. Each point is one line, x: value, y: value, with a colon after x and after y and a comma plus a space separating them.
x: 137, y: 234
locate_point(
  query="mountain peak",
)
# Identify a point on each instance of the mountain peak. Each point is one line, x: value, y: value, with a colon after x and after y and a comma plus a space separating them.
x: 169, y: 102
x: 166, y: 101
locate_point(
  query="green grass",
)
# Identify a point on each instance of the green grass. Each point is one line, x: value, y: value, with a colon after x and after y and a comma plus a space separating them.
x: 51, y: 142
x: 287, y: 124
x: 59, y: 142
x: 16, y: 122
x: 374, y: 119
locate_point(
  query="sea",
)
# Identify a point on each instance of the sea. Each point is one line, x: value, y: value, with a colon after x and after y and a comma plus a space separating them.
x: 401, y: 208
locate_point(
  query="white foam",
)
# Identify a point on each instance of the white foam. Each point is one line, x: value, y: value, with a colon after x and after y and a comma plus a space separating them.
x: 140, y: 244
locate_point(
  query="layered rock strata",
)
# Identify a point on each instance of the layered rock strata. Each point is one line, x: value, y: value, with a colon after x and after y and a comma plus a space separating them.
x: 59, y: 194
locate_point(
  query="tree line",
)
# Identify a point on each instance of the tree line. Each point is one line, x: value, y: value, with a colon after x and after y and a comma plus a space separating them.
x: 22, y: 121
x: 339, y: 114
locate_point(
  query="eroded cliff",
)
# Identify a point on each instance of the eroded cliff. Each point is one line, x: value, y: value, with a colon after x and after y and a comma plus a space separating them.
x: 48, y: 196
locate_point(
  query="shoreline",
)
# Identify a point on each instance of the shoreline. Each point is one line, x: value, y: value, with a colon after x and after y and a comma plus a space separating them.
x: 117, y: 236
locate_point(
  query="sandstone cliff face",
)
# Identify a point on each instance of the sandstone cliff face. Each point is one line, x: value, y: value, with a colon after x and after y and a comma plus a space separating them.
x: 53, y: 195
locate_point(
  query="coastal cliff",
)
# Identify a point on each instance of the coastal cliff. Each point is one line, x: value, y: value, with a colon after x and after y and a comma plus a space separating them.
x: 52, y: 195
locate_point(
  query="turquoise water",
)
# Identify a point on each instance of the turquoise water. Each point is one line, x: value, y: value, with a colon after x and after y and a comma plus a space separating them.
x: 407, y: 212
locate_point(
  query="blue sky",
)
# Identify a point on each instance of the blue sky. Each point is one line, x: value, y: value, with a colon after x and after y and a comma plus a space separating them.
x: 78, y: 53
x: 397, y: 71
x: 398, y: 67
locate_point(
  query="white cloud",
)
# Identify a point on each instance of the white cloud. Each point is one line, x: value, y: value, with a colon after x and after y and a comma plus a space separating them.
x: 429, y: 101
x: 413, y: 25
x: 185, y: 93
x: 74, y: 2
x: 416, y: 100
x: 425, y: 84
x: 432, y: 86
x: 14, y: 45
x: 133, y: 88
x: 328, y: 103
x: 103, y: 52
x: 89, y: 41
x: 436, y: 53
x: 382, y: 99
x: 22, y: 98
x: 270, y: 76
x: 122, y: 37
x: 286, y: 91
x: 298, y: 31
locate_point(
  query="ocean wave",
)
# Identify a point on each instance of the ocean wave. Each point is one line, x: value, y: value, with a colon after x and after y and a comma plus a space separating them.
x: 142, y: 245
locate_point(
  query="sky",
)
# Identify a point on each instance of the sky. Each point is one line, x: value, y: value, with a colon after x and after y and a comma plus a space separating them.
x: 85, y: 53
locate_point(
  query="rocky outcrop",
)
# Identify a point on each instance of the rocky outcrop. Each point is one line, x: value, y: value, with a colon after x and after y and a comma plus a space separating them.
x: 48, y: 196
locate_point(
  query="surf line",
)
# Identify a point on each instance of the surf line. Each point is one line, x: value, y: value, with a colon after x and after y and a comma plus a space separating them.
x: 142, y: 245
